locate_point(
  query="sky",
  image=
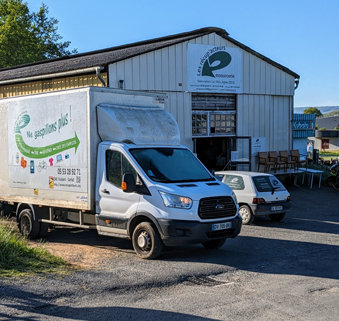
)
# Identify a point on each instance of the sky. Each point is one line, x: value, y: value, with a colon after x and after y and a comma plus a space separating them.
x: 302, y: 35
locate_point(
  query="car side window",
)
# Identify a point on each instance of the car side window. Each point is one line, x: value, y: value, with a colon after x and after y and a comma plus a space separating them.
x: 267, y: 183
x: 116, y: 166
x: 235, y: 182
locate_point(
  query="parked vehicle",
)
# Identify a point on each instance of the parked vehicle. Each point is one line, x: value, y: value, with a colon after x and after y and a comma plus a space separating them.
x: 257, y: 194
x: 333, y: 174
x: 109, y: 160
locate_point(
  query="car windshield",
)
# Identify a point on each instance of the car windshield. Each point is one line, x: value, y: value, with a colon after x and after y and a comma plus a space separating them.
x: 171, y: 165
x: 267, y: 184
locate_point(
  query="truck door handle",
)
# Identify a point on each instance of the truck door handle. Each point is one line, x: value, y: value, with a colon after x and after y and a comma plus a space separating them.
x: 105, y: 191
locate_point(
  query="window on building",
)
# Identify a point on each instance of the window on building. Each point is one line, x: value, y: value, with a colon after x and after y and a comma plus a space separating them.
x: 211, y: 123
x: 325, y: 144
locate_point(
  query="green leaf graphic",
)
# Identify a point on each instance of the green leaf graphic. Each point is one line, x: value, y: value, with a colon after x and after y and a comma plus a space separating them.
x: 47, y: 151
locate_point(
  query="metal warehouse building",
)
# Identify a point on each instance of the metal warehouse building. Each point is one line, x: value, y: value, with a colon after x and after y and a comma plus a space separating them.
x: 229, y: 100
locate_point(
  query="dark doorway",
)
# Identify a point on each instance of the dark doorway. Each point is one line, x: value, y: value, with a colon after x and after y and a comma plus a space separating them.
x: 216, y: 152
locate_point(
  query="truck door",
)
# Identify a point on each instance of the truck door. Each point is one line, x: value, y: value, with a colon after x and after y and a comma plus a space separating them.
x: 115, y: 206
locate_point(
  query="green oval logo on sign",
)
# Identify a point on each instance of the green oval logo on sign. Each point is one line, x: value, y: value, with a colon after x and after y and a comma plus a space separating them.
x: 224, y: 59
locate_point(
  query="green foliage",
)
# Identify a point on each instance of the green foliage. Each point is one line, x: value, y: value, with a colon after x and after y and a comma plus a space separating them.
x: 316, y: 126
x: 322, y: 128
x: 313, y: 110
x: 332, y: 113
x: 28, y: 37
x: 17, y: 258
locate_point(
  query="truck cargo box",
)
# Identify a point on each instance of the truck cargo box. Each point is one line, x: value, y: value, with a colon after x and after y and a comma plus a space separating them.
x: 48, y: 141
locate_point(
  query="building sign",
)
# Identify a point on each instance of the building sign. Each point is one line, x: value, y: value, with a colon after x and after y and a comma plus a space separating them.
x: 258, y: 145
x: 214, y: 69
x: 303, y: 124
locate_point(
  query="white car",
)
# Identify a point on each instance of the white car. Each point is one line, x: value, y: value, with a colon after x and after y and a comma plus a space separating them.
x: 257, y: 194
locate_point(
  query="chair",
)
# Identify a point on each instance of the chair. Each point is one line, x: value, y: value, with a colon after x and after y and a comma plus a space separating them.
x: 263, y: 160
x: 296, y: 157
x: 286, y: 158
x: 273, y: 156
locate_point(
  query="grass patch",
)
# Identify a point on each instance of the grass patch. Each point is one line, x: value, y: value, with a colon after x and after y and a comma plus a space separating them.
x: 18, y: 259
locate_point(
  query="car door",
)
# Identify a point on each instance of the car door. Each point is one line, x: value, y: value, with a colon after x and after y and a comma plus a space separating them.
x: 115, y: 205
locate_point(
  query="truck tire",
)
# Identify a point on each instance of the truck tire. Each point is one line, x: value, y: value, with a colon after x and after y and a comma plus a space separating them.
x: 27, y: 225
x: 215, y: 244
x: 246, y: 215
x: 276, y: 217
x: 43, y: 229
x: 146, y: 241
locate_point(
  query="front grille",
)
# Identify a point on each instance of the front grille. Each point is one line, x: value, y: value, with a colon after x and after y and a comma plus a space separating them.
x: 216, y: 207
x: 221, y: 233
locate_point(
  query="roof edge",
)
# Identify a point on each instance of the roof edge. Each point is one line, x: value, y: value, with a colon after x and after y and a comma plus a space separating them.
x: 219, y: 31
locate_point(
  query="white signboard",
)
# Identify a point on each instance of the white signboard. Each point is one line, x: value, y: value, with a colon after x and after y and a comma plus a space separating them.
x: 47, y: 144
x: 214, y: 69
x: 258, y: 145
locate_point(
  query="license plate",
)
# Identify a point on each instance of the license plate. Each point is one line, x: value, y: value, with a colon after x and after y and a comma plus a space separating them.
x: 221, y: 226
x: 276, y: 208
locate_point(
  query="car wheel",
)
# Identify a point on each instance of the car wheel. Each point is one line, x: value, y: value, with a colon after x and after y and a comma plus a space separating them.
x: 246, y: 214
x: 276, y: 217
x: 27, y: 225
x: 146, y: 241
x: 215, y: 244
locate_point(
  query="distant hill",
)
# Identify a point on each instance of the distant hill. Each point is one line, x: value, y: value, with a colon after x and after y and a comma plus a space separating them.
x: 327, y: 111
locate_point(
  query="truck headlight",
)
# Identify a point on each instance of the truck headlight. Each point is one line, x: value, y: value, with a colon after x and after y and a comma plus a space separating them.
x: 176, y: 201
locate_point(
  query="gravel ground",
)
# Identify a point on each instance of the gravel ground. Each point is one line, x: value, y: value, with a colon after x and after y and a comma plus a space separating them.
x: 271, y: 271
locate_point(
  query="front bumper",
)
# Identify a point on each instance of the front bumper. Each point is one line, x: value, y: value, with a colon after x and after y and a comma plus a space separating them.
x: 180, y: 232
x: 266, y: 209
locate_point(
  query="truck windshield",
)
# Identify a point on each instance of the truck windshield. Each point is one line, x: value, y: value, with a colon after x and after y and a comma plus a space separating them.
x: 170, y: 165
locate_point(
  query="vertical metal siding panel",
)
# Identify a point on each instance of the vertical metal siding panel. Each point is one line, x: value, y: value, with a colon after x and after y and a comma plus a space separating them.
x: 257, y: 76
x: 262, y: 90
x: 268, y: 86
x: 119, y: 74
x: 136, y: 73
x: 164, y: 68
x: 112, y: 71
x: 246, y: 73
x: 178, y: 67
x: 184, y: 64
x: 172, y: 68
x: 158, y: 70
x: 143, y: 72
x: 252, y: 75
x: 128, y: 77
x: 150, y: 71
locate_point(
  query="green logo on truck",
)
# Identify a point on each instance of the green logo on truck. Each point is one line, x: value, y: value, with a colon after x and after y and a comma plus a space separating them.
x: 46, y: 151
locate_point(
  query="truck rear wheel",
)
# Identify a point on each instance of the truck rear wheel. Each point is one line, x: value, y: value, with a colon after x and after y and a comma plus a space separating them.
x: 215, y: 244
x: 27, y: 225
x: 146, y: 241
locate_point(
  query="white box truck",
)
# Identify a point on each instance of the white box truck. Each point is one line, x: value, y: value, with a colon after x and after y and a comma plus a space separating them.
x: 110, y: 160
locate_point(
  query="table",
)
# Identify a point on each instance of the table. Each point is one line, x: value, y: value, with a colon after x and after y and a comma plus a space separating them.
x: 310, y: 173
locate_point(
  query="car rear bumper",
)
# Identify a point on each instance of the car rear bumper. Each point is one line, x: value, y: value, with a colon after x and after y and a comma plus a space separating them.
x: 266, y: 209
x: 180, y: 232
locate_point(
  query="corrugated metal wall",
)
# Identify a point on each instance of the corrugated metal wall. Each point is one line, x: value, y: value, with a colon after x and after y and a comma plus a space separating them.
x: 50, y: 85
x: 304, y: 118
x: 263, y: 110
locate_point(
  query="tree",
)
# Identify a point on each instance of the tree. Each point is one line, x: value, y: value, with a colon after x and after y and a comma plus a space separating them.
x: 313, y: 110
x: 28, y: 37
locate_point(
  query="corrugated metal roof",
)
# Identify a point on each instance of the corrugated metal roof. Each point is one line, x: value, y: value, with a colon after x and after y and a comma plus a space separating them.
x: 114, y: 54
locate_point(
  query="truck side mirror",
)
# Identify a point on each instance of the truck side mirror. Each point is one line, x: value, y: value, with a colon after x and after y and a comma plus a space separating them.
x: 128, y: 183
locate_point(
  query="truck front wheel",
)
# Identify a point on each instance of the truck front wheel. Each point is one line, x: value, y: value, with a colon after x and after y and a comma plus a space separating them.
x: 27, y: 225
x: 146, y: 241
